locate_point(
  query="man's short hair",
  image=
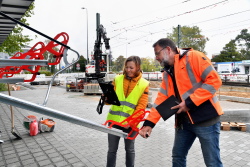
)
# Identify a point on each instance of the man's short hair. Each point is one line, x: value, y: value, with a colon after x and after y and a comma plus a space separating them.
x: 164, y: 42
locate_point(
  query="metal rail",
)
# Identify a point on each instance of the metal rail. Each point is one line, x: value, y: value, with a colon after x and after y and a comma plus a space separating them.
x: 11, y: 80
x: 20, y: 62
x: 230, y: 83
x: 58, y: 114
x: 66, y: 67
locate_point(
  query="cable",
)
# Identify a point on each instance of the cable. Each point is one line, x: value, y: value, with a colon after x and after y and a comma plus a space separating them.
x: 153, y: 22
x: 149, y: 12
x: 202, y: 22
x: 222, y: 17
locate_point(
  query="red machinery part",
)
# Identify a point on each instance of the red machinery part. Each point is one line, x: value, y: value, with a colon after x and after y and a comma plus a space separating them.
x: 36, y: 54
x: 132, y: 121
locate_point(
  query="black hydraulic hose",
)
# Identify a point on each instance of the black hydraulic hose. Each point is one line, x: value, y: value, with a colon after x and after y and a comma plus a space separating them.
x: 32, y: 29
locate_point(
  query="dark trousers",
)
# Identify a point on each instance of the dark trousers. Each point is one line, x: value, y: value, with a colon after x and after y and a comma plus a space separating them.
x: 209, y: 139
x: 113, y: 143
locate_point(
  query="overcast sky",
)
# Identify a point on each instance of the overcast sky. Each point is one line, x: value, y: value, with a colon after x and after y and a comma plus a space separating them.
x: 134, y: 25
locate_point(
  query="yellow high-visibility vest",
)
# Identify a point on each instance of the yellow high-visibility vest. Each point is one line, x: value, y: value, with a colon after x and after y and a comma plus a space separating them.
x: 128, y: 105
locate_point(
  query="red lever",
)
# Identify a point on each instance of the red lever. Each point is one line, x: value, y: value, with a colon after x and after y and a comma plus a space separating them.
x: 132, y: 121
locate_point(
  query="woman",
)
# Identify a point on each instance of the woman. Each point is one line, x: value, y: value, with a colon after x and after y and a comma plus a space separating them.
x: 132, y: 92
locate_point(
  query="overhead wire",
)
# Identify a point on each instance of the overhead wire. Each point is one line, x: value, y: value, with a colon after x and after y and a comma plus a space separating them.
x: 176, y: 4
x: 214, y: 4
x: 167, y: 18
x: 150, y: 33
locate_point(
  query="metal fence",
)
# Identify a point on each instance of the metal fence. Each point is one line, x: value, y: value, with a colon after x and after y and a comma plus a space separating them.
x: 152, y: 76
x: 235, y: 79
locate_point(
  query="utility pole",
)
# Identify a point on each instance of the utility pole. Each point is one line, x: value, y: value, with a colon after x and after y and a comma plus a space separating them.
x: 179, y: 36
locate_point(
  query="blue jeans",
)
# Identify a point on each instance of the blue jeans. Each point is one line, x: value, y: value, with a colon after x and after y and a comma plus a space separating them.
x: 113, y: 143
x: 209, y: 139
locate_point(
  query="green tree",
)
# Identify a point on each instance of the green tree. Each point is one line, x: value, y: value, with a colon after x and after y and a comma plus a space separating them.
x: 119, y: 62
x: 228, y: 54
x: 3, y: 87
x: 148, y: 64
x: 243, y: 41
x: 82, y: 61
x: 49, y: 56
x: 16, y: 40
x: 190, y: 37
x: 157, y: 65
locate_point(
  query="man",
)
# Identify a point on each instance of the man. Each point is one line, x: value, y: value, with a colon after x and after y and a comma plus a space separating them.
x: 190, y: 76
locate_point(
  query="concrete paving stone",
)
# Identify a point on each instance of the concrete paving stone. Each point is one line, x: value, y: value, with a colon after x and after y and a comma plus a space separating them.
x: 78, y: 164
x: 83, y: 159
x: 25, y: 157
x: 56, y: 159
x: 68, y: 156
x: 16, y: 164
x: 38, y: 154
x: 97, y: 163
x: 36, y: 150
x: 47, y: 147
x: 9, y: 152
x: 65, y: 152
x: 28, y: 162
x: 60, y: 149
x: 22, y: 151
x: 61, y: 164
x: 40, y: 158
x: 51, y: 151
x: 19, y: 144
x: 43, y: 145
x: 52, y: 155
x: 240, y: 151
x: 242, y: 163
x: 50, y: 165
x: 2, y: 163
x: 73, y: 160
x: 245, y: 156
x: 236, y: 157
x: 31, y: 165
x: 10, y: 156
x: 44, y: 162
x: 7, y: 147
x: 226, y: 158
x: 11, y: 160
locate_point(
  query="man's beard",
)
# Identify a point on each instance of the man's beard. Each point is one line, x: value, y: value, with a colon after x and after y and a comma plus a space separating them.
x: 164, y: 62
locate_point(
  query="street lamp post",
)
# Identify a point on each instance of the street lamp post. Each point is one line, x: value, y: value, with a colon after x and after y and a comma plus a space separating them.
x: 233, y: 64
x: 87, y: 35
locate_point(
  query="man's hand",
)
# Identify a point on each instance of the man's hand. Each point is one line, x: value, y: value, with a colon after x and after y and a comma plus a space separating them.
x: 182, y: 107
x: 104, y: 98
x: 145, y: 131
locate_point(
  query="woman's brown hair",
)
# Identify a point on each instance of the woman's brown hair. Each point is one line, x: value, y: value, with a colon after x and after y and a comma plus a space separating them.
x: 136, y: 60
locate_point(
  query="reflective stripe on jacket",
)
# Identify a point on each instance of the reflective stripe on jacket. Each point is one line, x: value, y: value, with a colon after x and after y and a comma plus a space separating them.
x: 128, y: 105
x: 197, y: 83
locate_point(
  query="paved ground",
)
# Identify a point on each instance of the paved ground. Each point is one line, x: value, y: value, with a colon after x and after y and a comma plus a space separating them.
x: 74, y: 145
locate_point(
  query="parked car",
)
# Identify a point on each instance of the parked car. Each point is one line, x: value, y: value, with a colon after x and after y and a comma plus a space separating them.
x: 224, y: 75
x: 224, y: 72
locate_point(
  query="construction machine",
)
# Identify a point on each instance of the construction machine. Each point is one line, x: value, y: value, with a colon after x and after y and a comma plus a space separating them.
x: 97, y: 69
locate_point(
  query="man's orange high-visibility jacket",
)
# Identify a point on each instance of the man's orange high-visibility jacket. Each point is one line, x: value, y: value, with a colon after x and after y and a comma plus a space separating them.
x: 197, y: 83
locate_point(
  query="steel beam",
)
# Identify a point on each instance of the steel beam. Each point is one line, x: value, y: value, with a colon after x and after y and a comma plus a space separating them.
x: 11, y: 80
x: 58, y: 114
x: 20, y: 62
